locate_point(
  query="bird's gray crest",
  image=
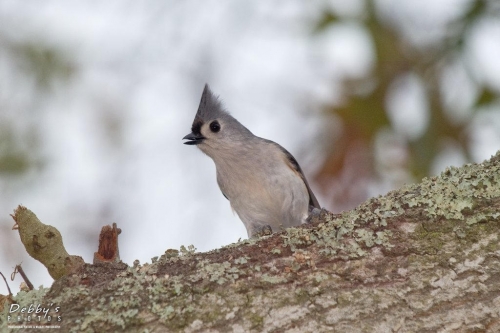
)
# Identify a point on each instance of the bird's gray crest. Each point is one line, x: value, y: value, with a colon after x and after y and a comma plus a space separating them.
x: 210, y: 107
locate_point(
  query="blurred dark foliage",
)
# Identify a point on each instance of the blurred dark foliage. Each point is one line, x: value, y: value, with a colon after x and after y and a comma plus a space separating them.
x: 41, y: 67
x: 351, y: 163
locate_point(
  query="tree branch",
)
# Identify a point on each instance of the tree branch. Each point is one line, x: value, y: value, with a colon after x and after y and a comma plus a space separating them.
x: 424, y: 258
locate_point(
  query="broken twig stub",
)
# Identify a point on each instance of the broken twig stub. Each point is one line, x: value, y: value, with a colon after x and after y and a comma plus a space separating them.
x: 108, y: 245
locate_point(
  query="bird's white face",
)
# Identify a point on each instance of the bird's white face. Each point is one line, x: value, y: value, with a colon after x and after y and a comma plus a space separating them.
x: 210, y: 136
x: 205, y: 133
x: 218, y: 137
x: 215, y: 131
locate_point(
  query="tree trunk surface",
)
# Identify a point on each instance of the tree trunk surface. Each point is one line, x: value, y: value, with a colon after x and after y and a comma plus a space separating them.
x: 424, y: 258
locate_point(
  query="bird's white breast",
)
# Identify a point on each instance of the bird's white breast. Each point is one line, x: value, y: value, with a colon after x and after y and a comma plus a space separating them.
x: 262, y: 187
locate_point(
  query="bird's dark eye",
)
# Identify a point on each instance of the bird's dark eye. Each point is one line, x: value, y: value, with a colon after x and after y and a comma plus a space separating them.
x: 215, y: 126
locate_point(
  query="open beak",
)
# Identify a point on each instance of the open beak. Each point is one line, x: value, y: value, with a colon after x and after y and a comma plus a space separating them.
x: 194, y: 139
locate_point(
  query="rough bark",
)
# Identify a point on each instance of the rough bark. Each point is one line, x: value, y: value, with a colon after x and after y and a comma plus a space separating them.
x: 424, y: 258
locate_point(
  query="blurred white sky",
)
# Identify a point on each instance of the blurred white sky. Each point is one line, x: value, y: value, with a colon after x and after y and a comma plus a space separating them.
x: 111, y: 135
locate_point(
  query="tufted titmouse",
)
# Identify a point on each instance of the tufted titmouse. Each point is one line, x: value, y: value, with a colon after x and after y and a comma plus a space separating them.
x: 262, y: 181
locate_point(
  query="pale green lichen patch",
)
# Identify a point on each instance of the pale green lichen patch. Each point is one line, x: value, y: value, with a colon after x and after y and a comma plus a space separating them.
x: 319, y: 277
x: 241, y: 260
x: 23, y: 299
x: 276, y: 251
x: 243, y: 242
x: 347, y: 235
x: 455, y: 192
x: 273, y: 279
x: 216, y: 272
x: 34, y: 296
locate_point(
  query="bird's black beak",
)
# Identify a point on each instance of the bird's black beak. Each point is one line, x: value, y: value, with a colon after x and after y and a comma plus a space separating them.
x: 194, y: 139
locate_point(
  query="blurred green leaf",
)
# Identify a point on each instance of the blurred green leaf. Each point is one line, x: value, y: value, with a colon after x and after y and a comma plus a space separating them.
x: 45, y: 64
x: 487, y: 96
x: 13, y: 159
x: 326, y: 20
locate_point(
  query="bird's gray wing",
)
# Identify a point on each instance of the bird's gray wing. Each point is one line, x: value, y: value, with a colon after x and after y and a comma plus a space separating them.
x: 313, y: 202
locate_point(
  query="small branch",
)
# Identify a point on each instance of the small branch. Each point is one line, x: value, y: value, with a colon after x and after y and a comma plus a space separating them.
x: 8, y: 288
x: 19, y: 269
